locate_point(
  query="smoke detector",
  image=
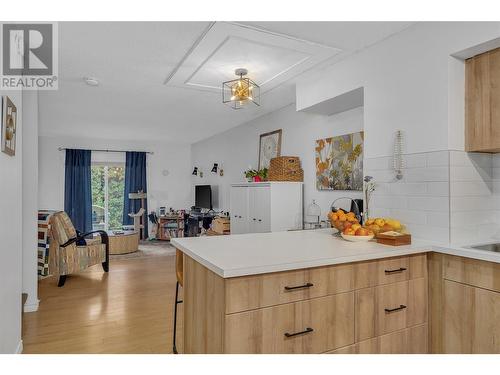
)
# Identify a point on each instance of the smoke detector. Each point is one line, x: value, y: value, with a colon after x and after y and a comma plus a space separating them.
x: 91, y: 81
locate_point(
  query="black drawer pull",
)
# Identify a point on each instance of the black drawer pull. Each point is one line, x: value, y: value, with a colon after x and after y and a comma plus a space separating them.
x: 401, y: 307
x: 307, y: 330
x: 308, y: 285
x: 388, y: 272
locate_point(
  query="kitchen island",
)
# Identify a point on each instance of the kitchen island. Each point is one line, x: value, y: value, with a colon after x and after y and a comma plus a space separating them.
x: 303, y: 292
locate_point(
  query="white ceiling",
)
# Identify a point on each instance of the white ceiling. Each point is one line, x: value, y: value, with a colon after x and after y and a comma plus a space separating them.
x: 160, y: 80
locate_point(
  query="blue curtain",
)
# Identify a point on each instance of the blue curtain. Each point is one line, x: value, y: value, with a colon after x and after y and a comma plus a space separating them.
x: 135, y: 180
x: 77, y: 189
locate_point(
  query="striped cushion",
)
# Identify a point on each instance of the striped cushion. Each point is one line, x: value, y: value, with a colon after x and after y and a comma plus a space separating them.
x: 62, y: 228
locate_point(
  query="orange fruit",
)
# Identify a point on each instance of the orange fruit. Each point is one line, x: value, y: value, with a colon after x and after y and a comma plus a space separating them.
x: 355, y: 226
x: 349, y: 231
x: 362, y: 232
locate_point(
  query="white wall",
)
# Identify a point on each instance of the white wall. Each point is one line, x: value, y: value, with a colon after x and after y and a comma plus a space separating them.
x: 237, y: 149
x: 409, y: 84
x: 170, y: 190
x: 30, y: 199
x: 11, y: 238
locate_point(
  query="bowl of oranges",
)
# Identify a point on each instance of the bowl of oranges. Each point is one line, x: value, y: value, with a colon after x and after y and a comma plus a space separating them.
x: 350, y: 229
x: 347, y: 224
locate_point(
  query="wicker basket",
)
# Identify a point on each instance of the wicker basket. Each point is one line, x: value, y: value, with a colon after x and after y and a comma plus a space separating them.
x: 289, y: 163
x: 285, y: 168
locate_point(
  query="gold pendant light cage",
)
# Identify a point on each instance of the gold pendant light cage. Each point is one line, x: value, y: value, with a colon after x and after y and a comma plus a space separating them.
x: 239, y: 92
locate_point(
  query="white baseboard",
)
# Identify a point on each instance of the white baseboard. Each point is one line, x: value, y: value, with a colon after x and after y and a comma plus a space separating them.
x: 19, y: 349
x: 31, y: 306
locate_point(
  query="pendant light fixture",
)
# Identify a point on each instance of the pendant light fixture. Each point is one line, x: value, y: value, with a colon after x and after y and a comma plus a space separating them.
x: 241, y: 91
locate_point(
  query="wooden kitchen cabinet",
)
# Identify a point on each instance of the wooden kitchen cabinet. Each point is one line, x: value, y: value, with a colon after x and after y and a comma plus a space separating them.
x: 482, y: 102
x: 464, y: 304
x: 345, y: 308
x: 472, y: 316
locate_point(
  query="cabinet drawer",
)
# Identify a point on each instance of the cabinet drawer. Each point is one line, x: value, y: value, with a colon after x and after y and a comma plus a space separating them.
x: 253, y: 292
x: 380, y: 272
x: 407, y: 341
x: 312, y: 326
x: 389, y: 308
x: 473, y: 272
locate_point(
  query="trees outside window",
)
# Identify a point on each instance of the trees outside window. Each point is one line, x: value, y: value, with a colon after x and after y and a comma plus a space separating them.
x: 108, y: 186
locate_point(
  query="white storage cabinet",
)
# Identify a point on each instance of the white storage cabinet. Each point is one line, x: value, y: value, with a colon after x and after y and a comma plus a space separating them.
x: 261, y: 207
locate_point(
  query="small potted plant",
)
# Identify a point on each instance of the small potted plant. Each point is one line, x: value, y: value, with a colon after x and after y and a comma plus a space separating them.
x: 254, y: 175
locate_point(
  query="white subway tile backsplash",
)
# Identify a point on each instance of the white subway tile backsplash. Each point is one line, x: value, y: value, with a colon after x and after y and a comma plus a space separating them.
x: 415, y: 160
x: 464, y: 159
x: 382, y: 188
x: 444, y: 195
x: 409, y: 216
x: 463, y: 235
x: 471, y: 188
x: 470, y: 204
x: 429, y: 174
x: 473, y: 234
x: 429, y: 232
x: 411, y: 188
x: 466, y: 218
x: 381, y: 175
x: 470, y: 173
x: 438, y: 159
x: 495, y: 173
x: 388, y: 202
x: 438, y: 189
x: 439, y: 204
x: 495, y: 203
x: 487, y: 231
x: 439, y: 219
x: 379, y: 212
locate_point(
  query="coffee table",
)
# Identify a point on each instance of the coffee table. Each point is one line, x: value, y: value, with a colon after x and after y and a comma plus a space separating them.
x: 125, y: 243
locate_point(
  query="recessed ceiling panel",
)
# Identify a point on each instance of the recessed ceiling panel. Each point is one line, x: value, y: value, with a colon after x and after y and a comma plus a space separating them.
x: 271, y: 59
x: 264, y: 62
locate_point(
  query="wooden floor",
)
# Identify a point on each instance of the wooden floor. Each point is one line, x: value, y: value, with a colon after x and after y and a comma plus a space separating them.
x: 128, y: 310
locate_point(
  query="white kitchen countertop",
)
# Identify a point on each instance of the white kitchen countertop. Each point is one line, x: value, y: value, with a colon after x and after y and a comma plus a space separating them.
x: 256, y: 253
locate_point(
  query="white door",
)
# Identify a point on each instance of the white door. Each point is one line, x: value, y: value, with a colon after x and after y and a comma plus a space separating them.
x: 259, y: 209
x: 238, y: 201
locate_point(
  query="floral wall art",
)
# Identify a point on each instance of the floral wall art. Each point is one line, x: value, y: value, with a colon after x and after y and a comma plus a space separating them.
x: 339, y: 162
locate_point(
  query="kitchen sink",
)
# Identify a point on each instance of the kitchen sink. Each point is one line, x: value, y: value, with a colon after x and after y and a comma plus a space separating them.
x: 495, y: 247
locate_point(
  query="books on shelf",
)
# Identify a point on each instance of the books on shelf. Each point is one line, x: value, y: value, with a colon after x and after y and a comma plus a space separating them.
x: 171, y: 233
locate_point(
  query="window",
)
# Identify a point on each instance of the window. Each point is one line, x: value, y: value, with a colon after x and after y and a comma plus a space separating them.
x: 108, y: 186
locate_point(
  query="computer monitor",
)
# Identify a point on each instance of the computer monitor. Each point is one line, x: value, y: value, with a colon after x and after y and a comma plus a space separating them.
x: 203, y: 196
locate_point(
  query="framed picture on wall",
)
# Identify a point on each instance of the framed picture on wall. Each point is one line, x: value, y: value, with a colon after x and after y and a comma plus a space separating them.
x: 9, y: 123
x: 269, y: 147
x: 339, y: 162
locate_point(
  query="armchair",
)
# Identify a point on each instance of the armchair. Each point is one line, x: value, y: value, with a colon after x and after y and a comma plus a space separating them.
x: 71, y: 252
